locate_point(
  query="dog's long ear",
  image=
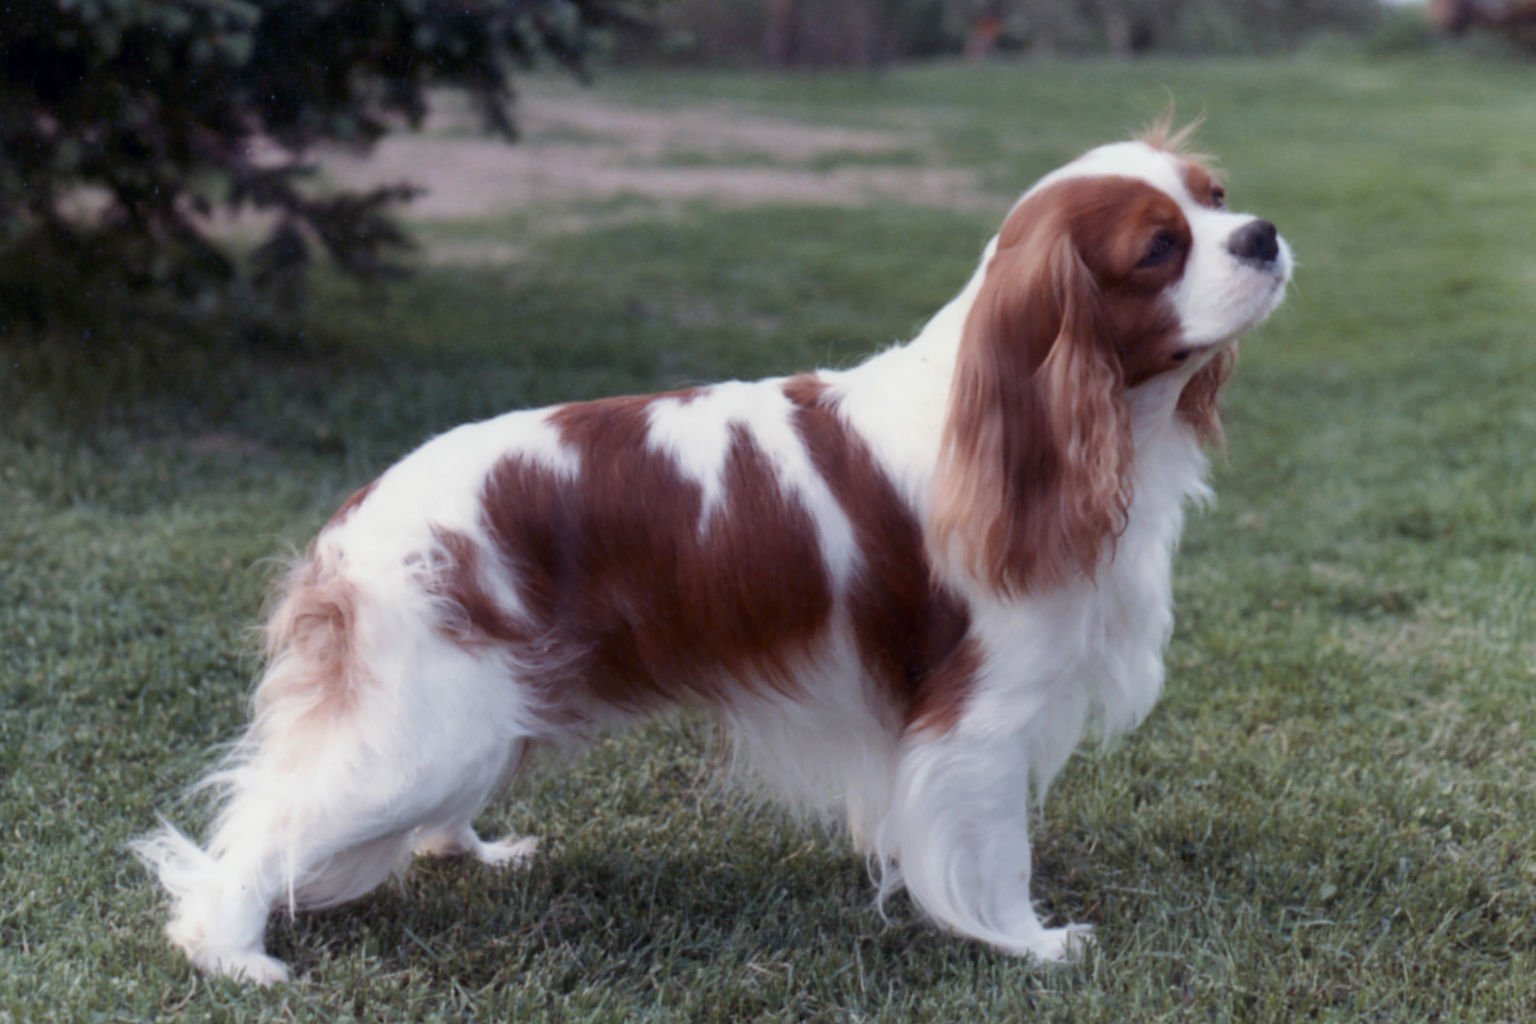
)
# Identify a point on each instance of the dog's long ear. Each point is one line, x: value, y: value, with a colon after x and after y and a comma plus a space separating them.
x: 1033, y: 479
x: 1198, y: 401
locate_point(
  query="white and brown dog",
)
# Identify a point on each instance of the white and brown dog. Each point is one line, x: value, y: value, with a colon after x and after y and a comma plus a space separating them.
x: 906, y: 588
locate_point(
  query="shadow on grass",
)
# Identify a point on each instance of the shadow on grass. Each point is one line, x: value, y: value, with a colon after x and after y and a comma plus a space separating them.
x: 603, y: 917
x: 622, y: 919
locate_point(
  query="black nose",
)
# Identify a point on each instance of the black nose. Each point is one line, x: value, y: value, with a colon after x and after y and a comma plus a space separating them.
x: 1255, y: 240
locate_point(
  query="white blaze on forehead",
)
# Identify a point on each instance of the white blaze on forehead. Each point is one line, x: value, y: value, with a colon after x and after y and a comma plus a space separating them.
x: 1156, y: 167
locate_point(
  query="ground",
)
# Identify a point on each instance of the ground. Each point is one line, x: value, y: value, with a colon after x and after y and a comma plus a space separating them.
x: 577, y: 146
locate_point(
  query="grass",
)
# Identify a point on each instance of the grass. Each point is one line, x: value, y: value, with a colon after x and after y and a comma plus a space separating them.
x: 1329, y: 817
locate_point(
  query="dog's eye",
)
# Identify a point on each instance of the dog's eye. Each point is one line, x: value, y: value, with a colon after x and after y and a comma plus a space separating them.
x: 1162, y: 248
x: 1218, y: 197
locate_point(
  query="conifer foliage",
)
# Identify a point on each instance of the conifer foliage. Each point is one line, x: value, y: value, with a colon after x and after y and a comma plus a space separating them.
x: 125, y: 125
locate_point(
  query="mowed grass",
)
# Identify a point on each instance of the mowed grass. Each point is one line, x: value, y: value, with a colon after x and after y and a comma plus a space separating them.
x: 1330, y: 816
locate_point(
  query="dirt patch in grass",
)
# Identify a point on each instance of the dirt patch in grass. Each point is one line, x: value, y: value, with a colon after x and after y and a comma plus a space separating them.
x: 587, y: 149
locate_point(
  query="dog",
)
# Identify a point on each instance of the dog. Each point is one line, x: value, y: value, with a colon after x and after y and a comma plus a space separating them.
x: 907, y: 589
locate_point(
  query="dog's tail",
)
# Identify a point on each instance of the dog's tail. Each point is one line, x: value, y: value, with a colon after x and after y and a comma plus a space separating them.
x: 314, y: 673
x: 180, y: 864
x: 312, y: 680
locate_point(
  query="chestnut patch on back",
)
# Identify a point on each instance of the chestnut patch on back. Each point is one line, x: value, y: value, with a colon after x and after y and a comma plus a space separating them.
x: 630, y: 597
x: 909, y: 629
x: 474, y: 616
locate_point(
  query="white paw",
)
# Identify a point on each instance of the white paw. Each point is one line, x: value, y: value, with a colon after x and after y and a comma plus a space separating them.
x: 1061, y: 945
x: 510, y: 852
x: 445, y: 844
x: 242, y: 965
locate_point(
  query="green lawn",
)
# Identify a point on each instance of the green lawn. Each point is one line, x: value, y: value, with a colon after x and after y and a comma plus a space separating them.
x: 1330, y: 816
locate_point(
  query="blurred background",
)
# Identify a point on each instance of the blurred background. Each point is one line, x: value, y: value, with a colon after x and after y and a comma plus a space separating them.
x: 786, y: 33
x: 132, y: 134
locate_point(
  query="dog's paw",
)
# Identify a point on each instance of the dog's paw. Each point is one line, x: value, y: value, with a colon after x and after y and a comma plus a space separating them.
x: 1061, y: 945
x: 242, y: 965
x: 511, y: 852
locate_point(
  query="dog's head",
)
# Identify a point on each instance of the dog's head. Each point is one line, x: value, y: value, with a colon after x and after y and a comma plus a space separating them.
x: 1121, y: 274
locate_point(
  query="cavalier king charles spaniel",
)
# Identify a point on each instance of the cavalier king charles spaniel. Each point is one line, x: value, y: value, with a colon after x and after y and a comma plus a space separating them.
x: 907, y: 589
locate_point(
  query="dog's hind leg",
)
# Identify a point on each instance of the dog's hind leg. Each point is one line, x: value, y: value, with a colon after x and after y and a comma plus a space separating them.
x: 459, y: 838
x: 221, y: 905
x: 294, y: 836
x: 350, y: 759
x: 313, y: 823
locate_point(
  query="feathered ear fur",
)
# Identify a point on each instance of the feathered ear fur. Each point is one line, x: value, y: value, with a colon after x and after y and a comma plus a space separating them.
x: 1197, y: 402
x: 1033, y: 474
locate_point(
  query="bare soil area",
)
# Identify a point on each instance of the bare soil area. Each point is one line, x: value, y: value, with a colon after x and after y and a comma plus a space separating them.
x: 585, y: 148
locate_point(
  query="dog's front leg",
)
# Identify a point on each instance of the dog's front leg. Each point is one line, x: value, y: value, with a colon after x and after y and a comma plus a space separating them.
x: 957, y: 837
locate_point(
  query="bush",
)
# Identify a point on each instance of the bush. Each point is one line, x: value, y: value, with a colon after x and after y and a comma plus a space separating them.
x: 125, y: 125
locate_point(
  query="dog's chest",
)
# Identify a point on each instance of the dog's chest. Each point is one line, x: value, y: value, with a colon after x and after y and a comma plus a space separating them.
x: 1130, y: 612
